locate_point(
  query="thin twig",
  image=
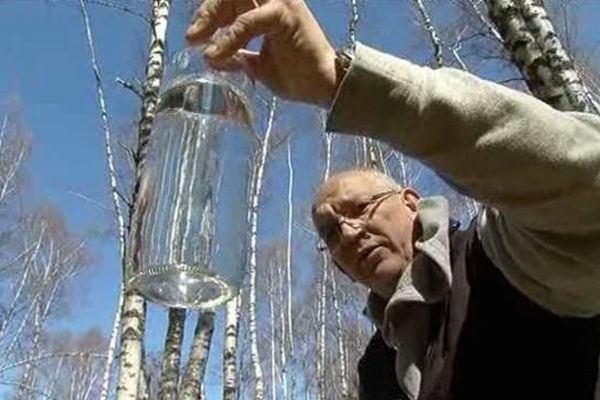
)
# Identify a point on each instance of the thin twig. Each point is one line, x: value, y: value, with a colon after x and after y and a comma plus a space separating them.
x: 490, y: 27
x: 26, y: 387
x: 47, y: 356
x: 125, y: 9
x: 96, y: 203
x: 137, y: 90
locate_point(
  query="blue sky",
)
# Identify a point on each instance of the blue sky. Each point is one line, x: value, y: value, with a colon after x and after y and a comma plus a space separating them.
x: 45, y: 63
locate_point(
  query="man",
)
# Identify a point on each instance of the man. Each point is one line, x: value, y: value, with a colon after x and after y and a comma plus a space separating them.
x: 506, y: 309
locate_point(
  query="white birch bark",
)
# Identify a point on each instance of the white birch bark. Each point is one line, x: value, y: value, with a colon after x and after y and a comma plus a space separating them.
x: 381, y: 159
x: 340, y: 336
x: 353, y: 23
x: 259, y: 389
x: 169, y: 377
x: 130, y: 354
x: 144, y: 382
x: 371, y: 154
x: 563, y: 68
x: 490, y: 27
x: 433, y: 36
x: 288, y: 254
x: 133, y: 313
x: 115, y: 197
x: 282, y: 329
x: 272, y: 332
x: 13, y: 155
x: 196, y: 365
x: 55, y: 265
x: 230, y: 348
x: 322, y: 302
x: 531, y: 39
x: 18, y: 295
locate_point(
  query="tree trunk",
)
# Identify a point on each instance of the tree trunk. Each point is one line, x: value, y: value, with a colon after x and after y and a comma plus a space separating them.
x: 169, y: 377
x: 322, y: 301
x: 115, y: 198
x: 530, y: 38
x: 255, y: 195
x: 340, y: 335
x: 232, y: 317
x: 130, y: 354
x: 288, y: 254
x: 134, y: 310
x: 196, y: 365
x: 271, y: 289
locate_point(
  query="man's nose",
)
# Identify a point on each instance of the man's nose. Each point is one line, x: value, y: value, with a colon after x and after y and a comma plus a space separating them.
x: 351, y: 230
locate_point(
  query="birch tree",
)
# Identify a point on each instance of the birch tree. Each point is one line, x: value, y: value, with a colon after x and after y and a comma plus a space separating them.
x: 115, y: 194
x: 288, y: 263
x: 52, y: 257
x: 259, y: 388
x: 169, y: 379
x: 530, y: 38
x: 133, y: 312
x: 232, y: 316
x: 196, y: 365
x: 322, y: 304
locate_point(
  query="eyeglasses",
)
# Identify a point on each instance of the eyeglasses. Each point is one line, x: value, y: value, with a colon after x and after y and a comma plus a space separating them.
x: 331, y: 234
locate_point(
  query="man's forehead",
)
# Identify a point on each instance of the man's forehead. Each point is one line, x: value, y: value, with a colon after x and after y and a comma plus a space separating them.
x: 349, y: 186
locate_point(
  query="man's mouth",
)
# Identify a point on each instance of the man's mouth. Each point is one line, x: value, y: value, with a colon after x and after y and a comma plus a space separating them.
x: 365, y: 252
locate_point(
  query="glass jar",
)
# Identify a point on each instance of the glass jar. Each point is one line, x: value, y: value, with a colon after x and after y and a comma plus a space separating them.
x: 189, y: 233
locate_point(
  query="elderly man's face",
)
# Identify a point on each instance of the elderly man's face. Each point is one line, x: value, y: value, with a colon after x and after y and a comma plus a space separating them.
x: 368, y: 228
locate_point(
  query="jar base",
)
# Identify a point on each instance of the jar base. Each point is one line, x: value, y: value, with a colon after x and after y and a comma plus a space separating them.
x: 185, y: 287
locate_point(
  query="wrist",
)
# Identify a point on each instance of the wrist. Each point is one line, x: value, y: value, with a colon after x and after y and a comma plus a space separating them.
x: 339, y: 64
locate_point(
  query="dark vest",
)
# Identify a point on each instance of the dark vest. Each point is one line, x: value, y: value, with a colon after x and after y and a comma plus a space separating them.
x: 491, y: 342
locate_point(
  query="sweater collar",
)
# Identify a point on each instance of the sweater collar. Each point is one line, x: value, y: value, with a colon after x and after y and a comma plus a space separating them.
x: 404, y: 318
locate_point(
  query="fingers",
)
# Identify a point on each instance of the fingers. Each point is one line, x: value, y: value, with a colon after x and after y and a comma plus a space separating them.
x: 259, y: 21
x: 243, y: 60
x: 210, y: 16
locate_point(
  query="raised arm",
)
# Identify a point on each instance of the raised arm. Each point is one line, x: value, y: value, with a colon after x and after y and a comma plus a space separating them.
x: 539, y: 166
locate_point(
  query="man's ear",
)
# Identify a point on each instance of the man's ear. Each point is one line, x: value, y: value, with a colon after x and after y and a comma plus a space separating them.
x: 410, y: 197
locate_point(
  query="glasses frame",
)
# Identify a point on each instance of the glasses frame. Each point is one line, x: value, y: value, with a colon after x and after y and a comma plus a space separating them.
x: 376, y: 200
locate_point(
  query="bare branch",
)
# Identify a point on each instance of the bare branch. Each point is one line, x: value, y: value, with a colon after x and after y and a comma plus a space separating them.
x: 490, y: 27
x: 122, y: 8
x: 96, y: 203
x: 433, y: 36
x: 47, y: 356
x: 28, y: 388
x: 137, y: 90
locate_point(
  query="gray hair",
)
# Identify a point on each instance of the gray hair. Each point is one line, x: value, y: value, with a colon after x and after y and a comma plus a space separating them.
x: 386, y: 180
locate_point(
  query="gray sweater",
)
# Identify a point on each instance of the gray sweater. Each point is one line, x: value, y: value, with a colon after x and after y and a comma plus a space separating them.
x: 535, y: 169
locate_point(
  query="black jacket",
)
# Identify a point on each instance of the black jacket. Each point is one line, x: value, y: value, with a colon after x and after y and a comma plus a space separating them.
x: 491, y: 342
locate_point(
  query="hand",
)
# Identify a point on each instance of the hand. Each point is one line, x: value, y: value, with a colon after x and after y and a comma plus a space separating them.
x: 296, y: 60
